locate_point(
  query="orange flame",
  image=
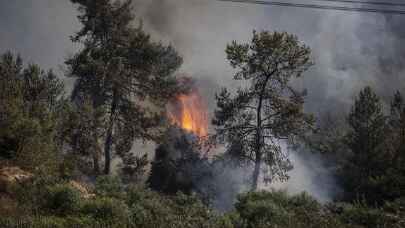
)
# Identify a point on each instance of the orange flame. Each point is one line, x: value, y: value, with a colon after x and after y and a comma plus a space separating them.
x: 189, y: 112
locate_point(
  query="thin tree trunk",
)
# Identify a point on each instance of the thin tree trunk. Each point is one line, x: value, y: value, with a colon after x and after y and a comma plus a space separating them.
x: 109, y: 138
x: 96, y: 158
x: 107, y: 149
x: 258, y: 152
x: 256, y: 173
x: 96, y: 164
x: 97, y: 151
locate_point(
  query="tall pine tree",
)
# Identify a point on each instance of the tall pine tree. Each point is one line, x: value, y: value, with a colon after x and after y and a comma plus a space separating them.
x: 123, y: 72
x: 268, y: 109
x: 30, y: 110
x: 366, y: 140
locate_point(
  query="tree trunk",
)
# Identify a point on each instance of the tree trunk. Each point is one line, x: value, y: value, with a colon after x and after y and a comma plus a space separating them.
x: 256, y: 173
x: 107, y: 149
x: 109, y: 138
x: 96, y: 158
x: 259, y: 128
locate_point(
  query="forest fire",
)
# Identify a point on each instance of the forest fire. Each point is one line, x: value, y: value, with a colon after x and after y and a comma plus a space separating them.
x: 189, y: 112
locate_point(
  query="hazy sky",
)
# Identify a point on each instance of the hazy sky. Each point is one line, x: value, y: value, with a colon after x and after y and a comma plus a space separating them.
x: 350, y: 49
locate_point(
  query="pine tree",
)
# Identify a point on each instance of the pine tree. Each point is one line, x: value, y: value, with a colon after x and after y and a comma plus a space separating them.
x: 123, y: 72
x: 30, y: 109
x: 366, y: 140
x: 394, y: 180
x: 268, y: 109
x: 82, y: 129
x: 397, y: 127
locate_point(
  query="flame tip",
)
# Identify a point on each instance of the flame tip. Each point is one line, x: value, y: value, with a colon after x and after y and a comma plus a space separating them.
x: 189, y: 112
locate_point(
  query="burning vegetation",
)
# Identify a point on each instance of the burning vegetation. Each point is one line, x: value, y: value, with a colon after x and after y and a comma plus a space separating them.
x: 189, y: 112
x: 63, y: 145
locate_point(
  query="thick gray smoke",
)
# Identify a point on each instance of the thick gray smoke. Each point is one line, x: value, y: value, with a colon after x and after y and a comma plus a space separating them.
x: 310, y: 174
x: 350, y: 50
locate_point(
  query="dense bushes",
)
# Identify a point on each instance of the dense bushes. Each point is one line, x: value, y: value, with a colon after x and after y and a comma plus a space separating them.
x: 277, y: 209
x: 63, y: 199
x: 152, y: 209
x: 109, y: 186
x: 60, y: 205
x: 106, y: 209
x: 30, y: 104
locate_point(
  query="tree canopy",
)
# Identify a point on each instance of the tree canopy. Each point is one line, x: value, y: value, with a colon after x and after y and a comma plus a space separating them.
x: 31, y: 101
x: 123, y: 72
x: 268, y: 109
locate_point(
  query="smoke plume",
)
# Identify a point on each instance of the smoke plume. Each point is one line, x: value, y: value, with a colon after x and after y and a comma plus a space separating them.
x: 351, y: 50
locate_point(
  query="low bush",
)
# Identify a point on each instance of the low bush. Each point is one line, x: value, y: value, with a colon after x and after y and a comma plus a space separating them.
x: 106, y: 209
x: 109, y: 186
x: 60, y: 205
x: 277, y: 209
x: 63, y: 199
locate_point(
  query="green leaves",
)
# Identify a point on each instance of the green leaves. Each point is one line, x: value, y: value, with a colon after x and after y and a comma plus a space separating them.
x: 123, y: 72
x: 30, y: 102
x: 366, y: 140
x: 266, y: 108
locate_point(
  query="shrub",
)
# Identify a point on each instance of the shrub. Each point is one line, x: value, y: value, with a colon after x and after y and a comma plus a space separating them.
x: 151, y: 209
x: 277, y: 209
x: 263, y: 209
x: 106, y: 209
x: 360, y: 215
x: 32, y: 196
x: 109, y: 186
x: 63, y: 199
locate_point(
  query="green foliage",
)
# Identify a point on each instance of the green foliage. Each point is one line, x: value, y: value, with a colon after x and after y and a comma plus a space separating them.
x: 361, y: 215
x: 277, y: 209
x: 106, y: 209
x: 123, y: 81
x: 32, y: 196
x: 119, y: 69
x: 144, y: 208
x: 366, y: 136
x: 150, y: 209
x: 394, y: 180
x: 63, y: 199
x: 58, y: 222
x: 268, y: 108
x: 367, y: 172
x: 82, y: 128
x: 109, y: 186
x: 30, y: 102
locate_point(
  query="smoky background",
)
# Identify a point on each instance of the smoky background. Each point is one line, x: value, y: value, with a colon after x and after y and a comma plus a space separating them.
x: 350, y: 50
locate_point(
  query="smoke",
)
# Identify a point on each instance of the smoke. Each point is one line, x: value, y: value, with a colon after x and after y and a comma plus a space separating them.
x: 310, y: 174
x: 39, y: 31
x: 181, y: 165
x: 351, y: 50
